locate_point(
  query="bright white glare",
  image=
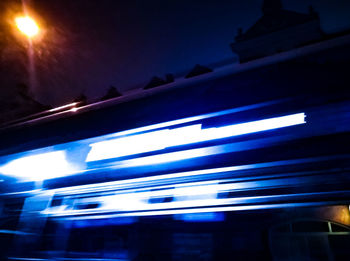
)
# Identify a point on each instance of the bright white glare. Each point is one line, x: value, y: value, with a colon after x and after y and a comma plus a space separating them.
x: 141, y: 143
x: 38, y: 167
x: 189, y: 193
x: 189, y: 119
x: 27, y: 26
x: 73, y: 104
x: 162, y: 139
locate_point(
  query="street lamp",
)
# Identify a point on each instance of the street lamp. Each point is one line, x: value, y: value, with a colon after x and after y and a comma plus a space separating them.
x: 27, y: 26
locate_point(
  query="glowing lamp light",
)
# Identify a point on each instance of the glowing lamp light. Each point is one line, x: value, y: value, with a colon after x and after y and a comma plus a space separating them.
x: 27, y: 26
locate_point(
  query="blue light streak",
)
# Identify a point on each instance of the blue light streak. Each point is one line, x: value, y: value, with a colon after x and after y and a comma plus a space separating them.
x: 162, y: 139
x: 189, y: 195
x: 59, y: 160
x: 116, y: 200
x: 201, y: 217
x: 157, y: 179
x: 191, y: 119
x: 196, y: 210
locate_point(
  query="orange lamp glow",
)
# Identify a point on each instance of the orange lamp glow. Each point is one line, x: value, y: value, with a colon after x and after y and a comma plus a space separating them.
x: 27, y: 26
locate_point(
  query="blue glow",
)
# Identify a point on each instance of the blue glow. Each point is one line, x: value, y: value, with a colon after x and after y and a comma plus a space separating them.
x: 127, y: 198
x: 71, y: 158
x: 198, y: 210
x: 201, y: 217
x: 162, y: 139
x: 184, y: 196
x: 200, y: 152
x: 190, y: 119
x: 100, y: 222
x: 39, y: 167
x: 132, y: 183
x: 169, y: 157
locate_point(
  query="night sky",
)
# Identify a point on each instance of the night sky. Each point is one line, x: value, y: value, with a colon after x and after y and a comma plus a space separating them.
x: 89, y: 45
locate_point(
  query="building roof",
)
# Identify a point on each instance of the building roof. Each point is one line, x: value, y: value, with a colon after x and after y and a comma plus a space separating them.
x: 275, y: 21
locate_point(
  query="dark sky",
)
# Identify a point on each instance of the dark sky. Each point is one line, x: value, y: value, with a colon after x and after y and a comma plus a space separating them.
x: 95, y: 44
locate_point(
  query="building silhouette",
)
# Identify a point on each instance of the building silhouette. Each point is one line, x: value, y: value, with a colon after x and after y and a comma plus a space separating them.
x: 198, y: 70
x: 18, y: 104
x: 157, y: 81
x: 277, y: 30
x: 112, y: 92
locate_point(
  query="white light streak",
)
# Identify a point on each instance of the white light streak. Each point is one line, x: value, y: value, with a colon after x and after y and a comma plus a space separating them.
x: 73, y: 104
x: 38, y: 167
x: 158, y: 140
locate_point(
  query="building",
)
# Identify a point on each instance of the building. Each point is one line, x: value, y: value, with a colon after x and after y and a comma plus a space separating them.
x: 18, y: 104
x: 277, y: 30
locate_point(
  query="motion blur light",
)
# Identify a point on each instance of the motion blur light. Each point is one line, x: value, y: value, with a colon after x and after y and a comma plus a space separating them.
x: 27, y: 26
x: 166, y: 138
x: 64, y: 107
x: 38, y: 167
x: 51, y: 162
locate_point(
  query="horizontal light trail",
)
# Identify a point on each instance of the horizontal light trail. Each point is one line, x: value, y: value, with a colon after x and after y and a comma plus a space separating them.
x: 134, y: 182
x: 36, y: 166
x: 39, y: 167
x: 190, y: 119
x: 182, y: 196
x: 73, y: 104
x: 158, y: 140
x: 201, y: 210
